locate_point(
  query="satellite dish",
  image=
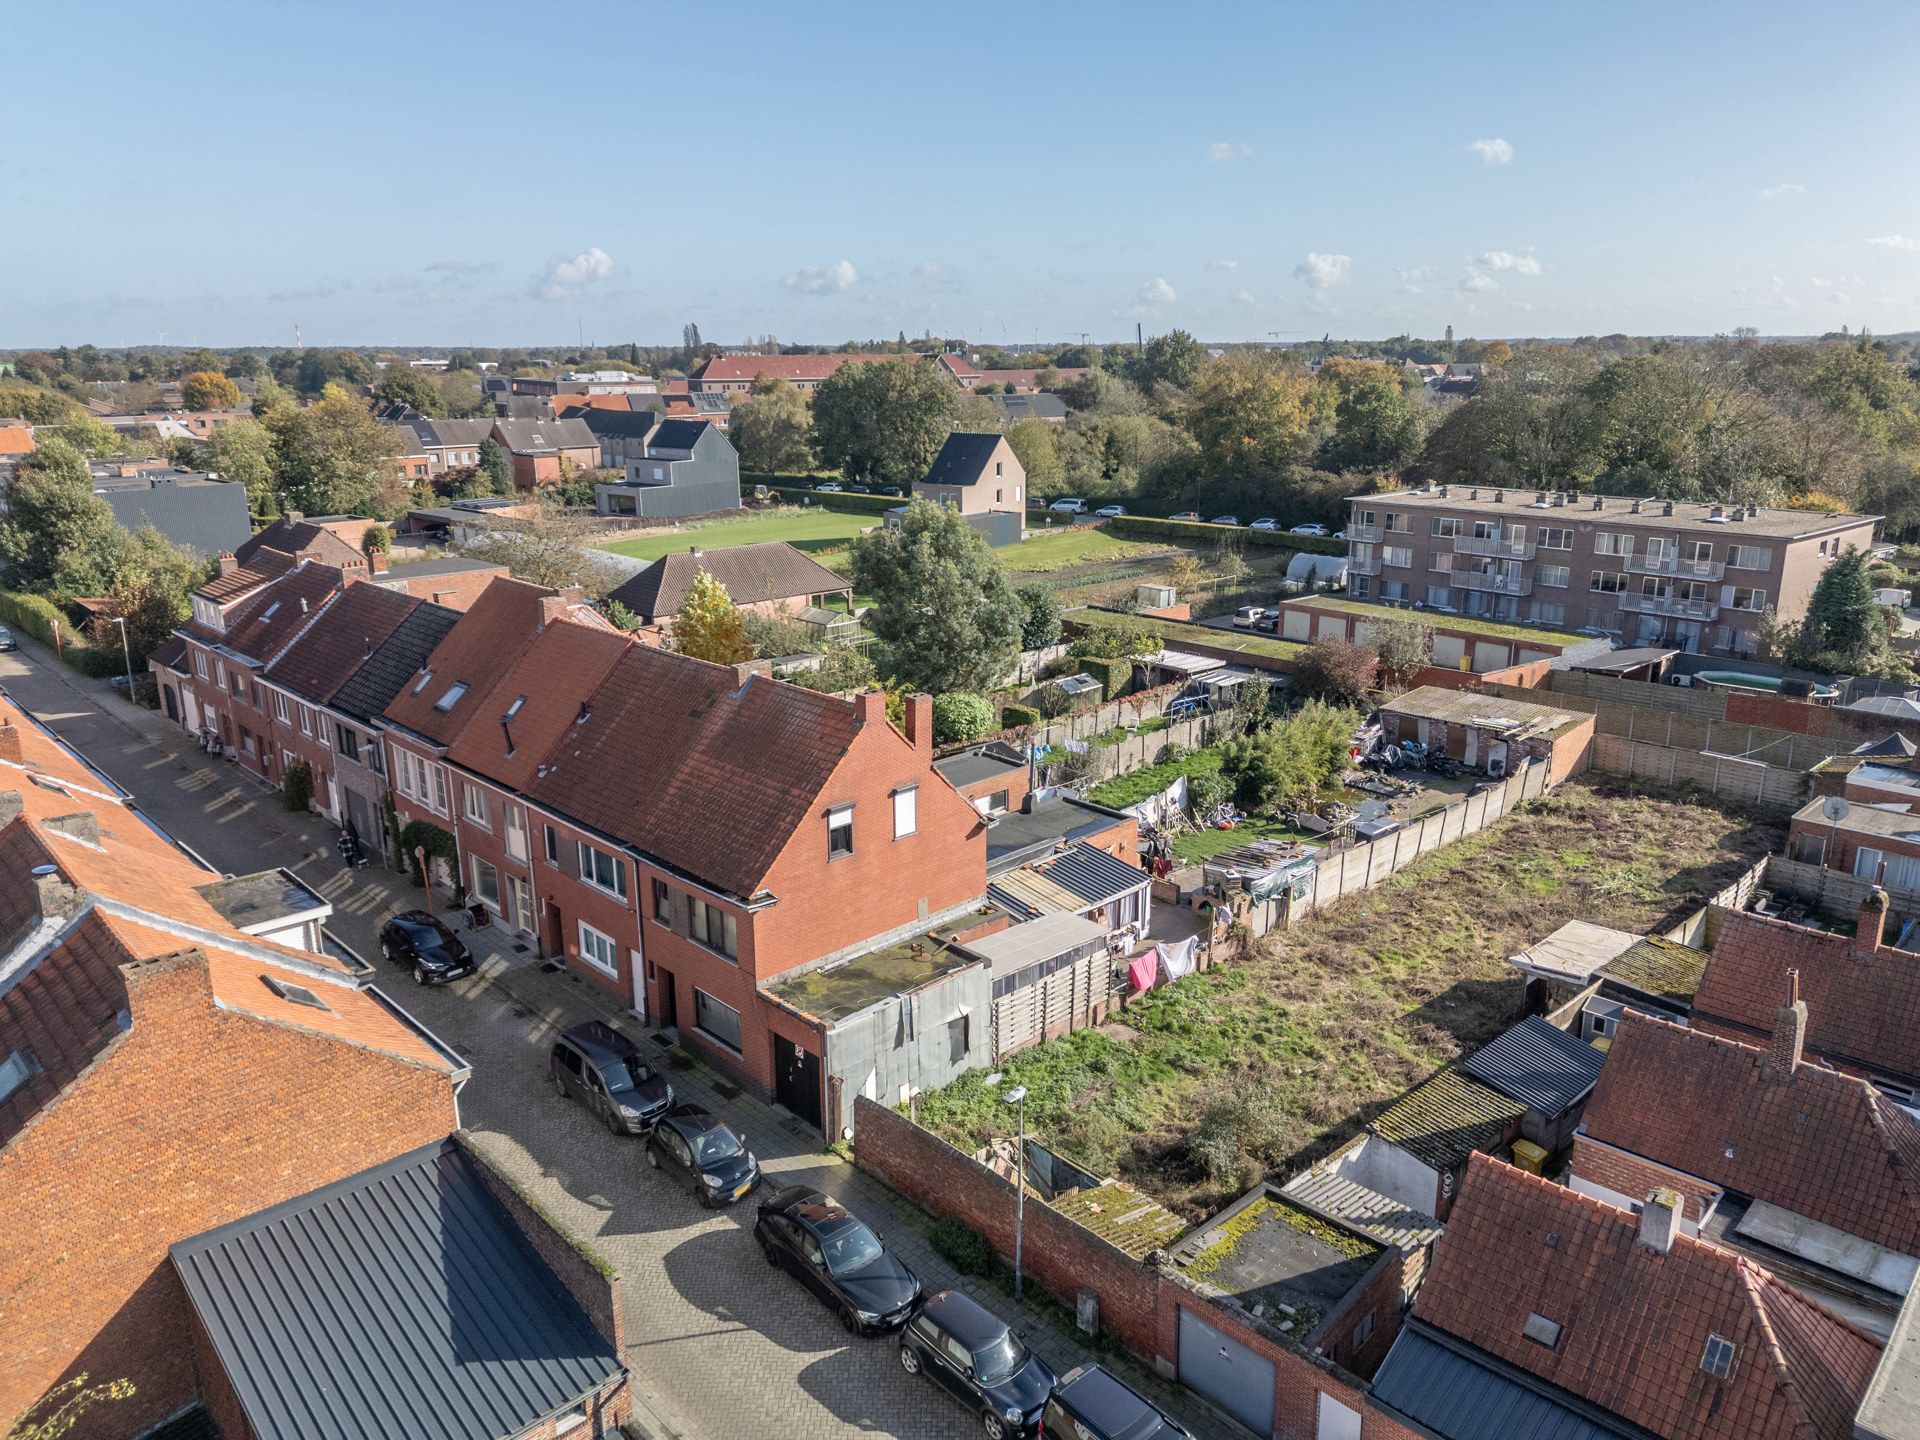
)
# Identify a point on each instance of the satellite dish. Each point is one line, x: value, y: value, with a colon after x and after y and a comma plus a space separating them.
x: 1835, y: 808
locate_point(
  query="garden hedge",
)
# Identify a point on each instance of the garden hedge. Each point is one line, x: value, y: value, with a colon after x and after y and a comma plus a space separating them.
x: 37, y: 616
x: 1198, y: 532
x: 1012, y: 717
x: 1114, y: 675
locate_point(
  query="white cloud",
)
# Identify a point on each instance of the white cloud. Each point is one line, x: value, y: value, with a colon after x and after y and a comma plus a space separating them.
x: 1894, y: 242
x: 566, y: 274
x: 1782, y: 191
x: 1157, y: 292
x: 1829, y: 282
x: 317, y: 292
x: 834, y: 279
x: 1321, y: 271
x: 1225, y: 152
x: 1507, y: 260
x: 1415, y: 281
x: 1494, y: 152
x: 932, y: 275
x: 1243, y: 297
x: 1232, y: 267
x: 1476, y: 282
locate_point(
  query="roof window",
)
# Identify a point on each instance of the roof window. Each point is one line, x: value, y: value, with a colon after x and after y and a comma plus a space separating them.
x: 294, y: 994
x: 18, y: 1068
x: 452, y: 698
x: 513, y: 709
x: 269, y: 614
x: 425, y: 677
x: 1718, y: 1359
x: 1541, y: 1330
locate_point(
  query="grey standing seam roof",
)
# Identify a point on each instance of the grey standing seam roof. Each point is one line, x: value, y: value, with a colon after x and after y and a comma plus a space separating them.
x: 1543, y: 1068
x: 399, y: 1301
x: 962, y: 459
x: 1457, y: 1397
x: 395, y: 661
x: 1094, y: 875
x: 677, y: 435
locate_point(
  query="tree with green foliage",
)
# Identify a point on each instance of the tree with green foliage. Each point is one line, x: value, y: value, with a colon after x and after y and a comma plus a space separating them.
x: 842, y: 669
x: 496, y: 467
x: 336, y: 459
x: 1175, y: 358
x: 92, y: 438
x: 378, y: 540
x: 620, y: 617
x: 1251, y: 414
x: 771, y: 429
x: 942, y: 606
x: 243, y: 451
x: 1339, y: 672
x: 152, y: 592
x: 1036, y: 444
x: 708, y: 626
x: 1292, y: 760
x: 882, y: 421
x: 1377, y: 424
x: 1040, y: 617
x: 1403, y: 644
x: 58, y: 537
x: 548, y: 546
x: 1115, y: 637
x: 209, y: 390
x: 1846, y: 631
x: 780, y: 633
x: 960, y: 716
x: 401, y: 384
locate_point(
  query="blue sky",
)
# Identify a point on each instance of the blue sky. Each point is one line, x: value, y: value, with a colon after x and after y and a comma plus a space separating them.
x: 413, y: 173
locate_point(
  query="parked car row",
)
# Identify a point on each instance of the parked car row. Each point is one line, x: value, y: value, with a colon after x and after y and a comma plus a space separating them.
x: 1268, y: 524
x: 947, y: 1337
x: 834, y: 487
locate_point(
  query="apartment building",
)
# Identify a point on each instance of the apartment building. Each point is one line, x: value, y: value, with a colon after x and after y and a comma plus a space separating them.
x: 1695, y: 576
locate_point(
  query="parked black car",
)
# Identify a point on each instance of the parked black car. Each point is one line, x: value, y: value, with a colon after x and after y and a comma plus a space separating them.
x: 1089, y: 1404
x: 973, y: 1353
x: 704, y: 1154
x: 838, y: 1258
x: 602, y: 1069
x: 418, y: 940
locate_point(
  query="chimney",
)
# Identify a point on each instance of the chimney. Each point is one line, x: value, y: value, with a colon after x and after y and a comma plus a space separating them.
x: 228, y: 564
x: 1667, y: 509
x: 11, y: 803
x: 1473, y: 494
x: 1638, y: 506
x: 82, y: 825
x: 295, y: 517
x: 745, y: 670
x: 1871, y: 933
x: 1660, y: 1219
x: 377, y: 561
x: 10, y: 742
x: 920, y: 723
x: 1499, y: 497
x: 552, y: 607
x: 1598, y: 503
x: 1789, y: 1036
x: 57, y: 899
x: 695, y: 551
x: 870, y: 707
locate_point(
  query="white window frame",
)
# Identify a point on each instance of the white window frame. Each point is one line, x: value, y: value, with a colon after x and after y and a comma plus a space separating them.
x: 839, y: 817
x: 585, y: 855
x: 1400, y: 557
x: 280, y: 711
x: 906, y: 811
x: 590, y: 941
x: 200, y: 663
x: 480, y: 864
x: 474, y: 806
x: 1553, y: 576
x: 514, y: 819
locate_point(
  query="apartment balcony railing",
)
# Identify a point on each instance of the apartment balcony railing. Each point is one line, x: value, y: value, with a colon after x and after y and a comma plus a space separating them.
x: 1493, y: 584
x: 1365, y: 533
x: 1673, y: 565
x: 1674, y: 605
x: 1494, y: 548
x: 1370, y: 566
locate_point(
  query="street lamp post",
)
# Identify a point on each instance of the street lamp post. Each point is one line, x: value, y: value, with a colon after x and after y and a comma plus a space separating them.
x: 126, y: 652
x: 1017, y: 1097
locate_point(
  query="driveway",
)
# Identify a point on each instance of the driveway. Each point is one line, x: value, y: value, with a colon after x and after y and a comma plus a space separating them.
x: 720, y: 1345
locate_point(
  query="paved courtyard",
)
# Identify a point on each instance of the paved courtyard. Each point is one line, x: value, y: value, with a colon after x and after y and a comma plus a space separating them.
x: 721, y: 1346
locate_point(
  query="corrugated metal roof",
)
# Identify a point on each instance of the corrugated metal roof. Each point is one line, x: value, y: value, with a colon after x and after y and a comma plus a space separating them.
x: 400, y: 1301
x: 1545, y: 1069
x: 1095, y: 876
x: 1027, y: 893
x: 1458, y: 1398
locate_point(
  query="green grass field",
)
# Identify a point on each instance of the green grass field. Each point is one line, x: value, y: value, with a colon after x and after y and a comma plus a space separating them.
x: 818, y: 527
x: 1062, y: 548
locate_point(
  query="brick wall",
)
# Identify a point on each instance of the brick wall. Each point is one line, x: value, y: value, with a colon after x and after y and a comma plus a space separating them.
x: 1140, y: 1302
x: 194, y: 1118
x: 457, y: 591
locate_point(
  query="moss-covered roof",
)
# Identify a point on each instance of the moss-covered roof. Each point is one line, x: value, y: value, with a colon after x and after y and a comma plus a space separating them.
x: 1177, y: 634
x: 1123, y: 1217
x: 1661, y: 967
x: 834, y: 992
x: 1443, y: 1120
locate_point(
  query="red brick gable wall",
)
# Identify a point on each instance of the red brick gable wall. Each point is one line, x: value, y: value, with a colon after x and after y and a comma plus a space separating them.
x: 195, y: 1118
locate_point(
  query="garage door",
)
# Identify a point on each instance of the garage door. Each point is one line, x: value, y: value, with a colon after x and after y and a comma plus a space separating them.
x: 1227, y: 1373
x: 1448, y: 651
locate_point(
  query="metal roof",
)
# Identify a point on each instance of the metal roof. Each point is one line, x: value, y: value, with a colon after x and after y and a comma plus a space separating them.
x: 1459, y: 1398
x: 1019, y: 946
x: 399, y: 1301
x: 1545, y: 1069
x: 1095, y: 876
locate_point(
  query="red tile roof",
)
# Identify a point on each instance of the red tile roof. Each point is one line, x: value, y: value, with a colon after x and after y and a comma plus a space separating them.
x: 261, y: 626
x: 16, y: 440
x: 682, y: 759
x: 959, y: 367
x: 1634, y: 1325
x: 553, y: 677
x: 1821, y: 1144
x: 1863, y: 1005
x: 787, y: 367
x: 1637, y: 1177
x: 322, y: 659
x: 261, y: 568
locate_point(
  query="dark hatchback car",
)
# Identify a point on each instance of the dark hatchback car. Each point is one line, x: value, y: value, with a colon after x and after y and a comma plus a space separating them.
x: 973, y: 1353
x: 812, y: 1236
x: 602, y: 1069
x: 1089, y: 1404
x: 419, y: 941
x: 703, y: 1154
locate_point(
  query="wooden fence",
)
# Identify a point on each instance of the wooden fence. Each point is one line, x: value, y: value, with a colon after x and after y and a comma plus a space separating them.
x: 1832, y: 891
x: 1732, y: 777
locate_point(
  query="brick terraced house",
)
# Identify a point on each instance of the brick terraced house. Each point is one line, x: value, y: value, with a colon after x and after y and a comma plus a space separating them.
x: 1681, y: 573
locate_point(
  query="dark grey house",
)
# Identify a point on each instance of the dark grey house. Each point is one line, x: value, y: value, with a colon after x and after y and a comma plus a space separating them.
x: 687, y: 468
x: 199, y: 511
x: 622, y: 434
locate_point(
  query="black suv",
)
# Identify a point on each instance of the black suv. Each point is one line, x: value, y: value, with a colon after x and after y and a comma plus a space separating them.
x: 602, y: 1069
x: 972, y: 1352
x: 418, y: 940
x: 707, y: 1157
x: 838, y: 1258
x: 1089, y: 1404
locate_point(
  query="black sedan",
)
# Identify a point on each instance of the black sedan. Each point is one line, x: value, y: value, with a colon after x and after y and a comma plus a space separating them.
x: 706, y: 1157
x: 420, y: 941
x: 837, y: 1257
x: 971, y: 1352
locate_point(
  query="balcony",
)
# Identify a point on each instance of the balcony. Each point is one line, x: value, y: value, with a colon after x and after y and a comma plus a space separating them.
x: 1674, y: 566
x: 1493, y: 584
x: 1673, y: 605
x: 1364, y: 532
x: 1494, y: 548
x: 1371, y: 565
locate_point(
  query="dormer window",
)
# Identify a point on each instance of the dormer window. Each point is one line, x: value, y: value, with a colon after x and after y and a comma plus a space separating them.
x: 452, y: 698
x: 1541, y: 1330
x: 18, y: 1068
x: 1718, y: 1357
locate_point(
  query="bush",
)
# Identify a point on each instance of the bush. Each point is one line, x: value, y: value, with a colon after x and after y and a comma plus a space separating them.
x: 296, y: 787
x: 959, y: 716
x: 1115, y: 637
x: 963, y: 1247
x: 1194, y: 532
x: 1013, y: 717
x: 39, y: 617
x: 1115, y: 676
x: 439, y: 845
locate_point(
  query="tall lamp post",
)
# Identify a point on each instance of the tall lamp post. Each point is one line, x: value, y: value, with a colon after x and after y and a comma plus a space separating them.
x: 126, y: 652
x: 1017, y: 1097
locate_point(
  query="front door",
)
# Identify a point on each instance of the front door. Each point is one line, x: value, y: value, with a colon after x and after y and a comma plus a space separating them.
x: 173, y: 705
x: 551, y: 943
x: 796, y: 1080
x: 522, y: 895
x: 663, y: 989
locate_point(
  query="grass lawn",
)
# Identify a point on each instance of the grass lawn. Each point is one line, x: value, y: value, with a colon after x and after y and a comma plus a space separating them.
x: 1261, y: 1065
x: 818, y: 527
x: 1193, y: 846
x: 1044, y: 552
x: 1136, y: 785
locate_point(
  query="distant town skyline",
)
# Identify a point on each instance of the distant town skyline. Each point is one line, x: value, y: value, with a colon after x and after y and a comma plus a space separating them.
x: 416, y: 176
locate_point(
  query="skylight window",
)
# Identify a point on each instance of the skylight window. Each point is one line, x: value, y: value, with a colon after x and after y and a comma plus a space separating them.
x: 294, y: 994
x: 452, y: 698
x: 18, y: 1068
x: 1542, y: 1331
x: 1718, y: 1359
x: 421, y: 683
x: 270, y: 609
x: 513, y: 709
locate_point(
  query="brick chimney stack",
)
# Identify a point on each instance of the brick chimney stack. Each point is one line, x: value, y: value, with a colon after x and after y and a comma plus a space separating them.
x: 57, y: 899
x: 1871, y: 933
x: 920, y: 723
x: 228, y: 564
x: 377, y: 562
x: 870, y: 707
x: 1789, y: 1038
x: 1660, y: 1220
x: 10, y: 742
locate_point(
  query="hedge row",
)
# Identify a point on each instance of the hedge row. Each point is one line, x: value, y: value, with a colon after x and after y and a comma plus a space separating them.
x: 37, y: 616
x: 1114, y: 675
x: 1147, y: 527
x: 860, y: 504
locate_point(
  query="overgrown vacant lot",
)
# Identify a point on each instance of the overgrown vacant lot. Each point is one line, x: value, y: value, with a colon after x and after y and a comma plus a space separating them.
x: 1264, y: 1065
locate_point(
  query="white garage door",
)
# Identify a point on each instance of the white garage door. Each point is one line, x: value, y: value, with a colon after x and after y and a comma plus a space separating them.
x: 1227, y: 1373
